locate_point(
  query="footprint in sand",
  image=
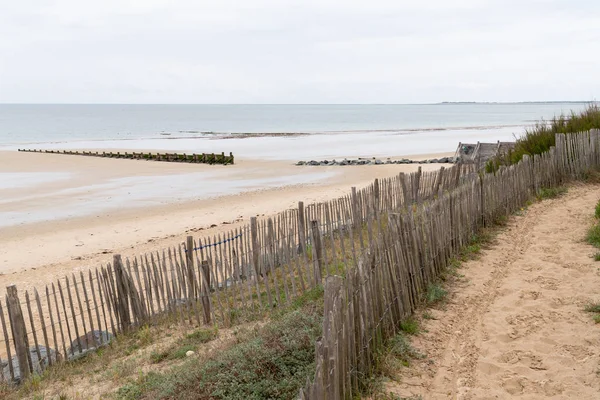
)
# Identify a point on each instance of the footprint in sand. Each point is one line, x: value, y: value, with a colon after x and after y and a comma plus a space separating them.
x: 530, y: 295
x: 578, y: 267
x: 550, y: 249
x: 526, y: 358
x: 525, y: 324
x: 516, y: 385
x: 579, y: 353
x: 546, y: 283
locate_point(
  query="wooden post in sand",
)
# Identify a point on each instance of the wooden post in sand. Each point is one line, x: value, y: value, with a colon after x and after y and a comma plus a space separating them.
x: 190, y: 267
x: 206, y: 291
x: 122, y: 298
x: 376, y: 196
x: 301, y: 228
x: 17, y: 324
x: 316, y: 235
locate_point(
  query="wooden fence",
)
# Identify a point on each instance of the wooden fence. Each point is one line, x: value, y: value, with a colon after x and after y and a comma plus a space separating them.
x: 392, y: 238
x: 204, y: 158
x: 409, y: 249
x: 221, y: 279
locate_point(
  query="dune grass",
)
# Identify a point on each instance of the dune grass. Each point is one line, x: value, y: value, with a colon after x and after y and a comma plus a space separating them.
x: 539, y: 138
x: 271, y: 362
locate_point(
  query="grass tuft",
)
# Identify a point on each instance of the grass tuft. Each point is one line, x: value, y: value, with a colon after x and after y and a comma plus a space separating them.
x: 592, y: 307
x: 400, y: 348
x: 190, y: 342
x: 542, y: 136
x: 410, y: 326
x: 270, y: 362
x: 551, y: 193
x: 435, y: 294
x: 595, y: 309
x: 427, y: 315
x: 593, y: 236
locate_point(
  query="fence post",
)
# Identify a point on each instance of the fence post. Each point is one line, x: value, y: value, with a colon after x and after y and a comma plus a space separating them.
x: 122, y: 300
x: 482, y: 200
x: 316, y: 234
x: 417, y: 184
x: 206, y: 291
x: 301, y: 228
x: 19, y: 332
x: 190, y: 268
x: 357, y: 220
x: 376, y: 195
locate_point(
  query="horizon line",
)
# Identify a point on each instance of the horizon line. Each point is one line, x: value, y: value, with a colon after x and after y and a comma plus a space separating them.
x: 315, y: 104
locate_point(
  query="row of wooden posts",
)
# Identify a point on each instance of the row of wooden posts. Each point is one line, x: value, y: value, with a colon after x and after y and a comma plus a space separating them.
x: 412, y: 248
x: 224, y: 279
x: 204, y: 158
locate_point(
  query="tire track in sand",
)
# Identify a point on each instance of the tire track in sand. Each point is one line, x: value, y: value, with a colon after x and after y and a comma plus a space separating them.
x: 514, y: 327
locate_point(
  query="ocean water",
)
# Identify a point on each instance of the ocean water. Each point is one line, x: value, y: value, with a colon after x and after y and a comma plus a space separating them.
x: 36, y: 124
x: 268, y: 132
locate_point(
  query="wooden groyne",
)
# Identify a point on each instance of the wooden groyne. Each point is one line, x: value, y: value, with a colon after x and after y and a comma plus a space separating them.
x: 204, y: 158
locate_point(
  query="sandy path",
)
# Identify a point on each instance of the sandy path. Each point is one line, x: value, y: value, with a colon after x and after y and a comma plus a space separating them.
x: 514, y: 327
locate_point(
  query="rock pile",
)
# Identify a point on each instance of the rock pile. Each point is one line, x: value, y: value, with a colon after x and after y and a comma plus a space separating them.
x: 38, y: 364
x: 375, y: 161
x: 89, y: 342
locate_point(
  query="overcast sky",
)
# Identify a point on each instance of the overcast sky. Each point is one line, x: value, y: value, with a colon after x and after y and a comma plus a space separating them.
x: 304, y: 51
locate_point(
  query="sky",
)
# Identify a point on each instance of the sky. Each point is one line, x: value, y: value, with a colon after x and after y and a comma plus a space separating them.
x: 298, y: 51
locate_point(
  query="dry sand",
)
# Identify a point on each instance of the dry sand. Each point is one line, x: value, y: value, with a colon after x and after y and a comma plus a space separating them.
x: 50, y: 247
x: 515, y: 327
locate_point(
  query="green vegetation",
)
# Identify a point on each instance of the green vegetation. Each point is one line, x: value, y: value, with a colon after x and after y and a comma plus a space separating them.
x: 594, y: 308
x: 427, y: 315
x: 593, y: 234
x: 435, y: 294
x: 271, y: 362
x: 551, y: 193
x: 541, y: 136
x: 399, y: 351
x: 410, y: 326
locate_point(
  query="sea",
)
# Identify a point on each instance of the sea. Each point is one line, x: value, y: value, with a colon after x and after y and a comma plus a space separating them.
x: 52, y: 123
x: 283, y: 133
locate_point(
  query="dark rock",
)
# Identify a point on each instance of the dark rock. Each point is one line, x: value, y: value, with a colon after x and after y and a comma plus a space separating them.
x: 89, y: 342
x: 378, y: 162
x: 38, y: 364
x: 301, y: 163
x: 314, y: 163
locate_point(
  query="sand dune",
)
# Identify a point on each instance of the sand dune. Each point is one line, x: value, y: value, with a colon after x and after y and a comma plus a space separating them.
x: 515, y: 326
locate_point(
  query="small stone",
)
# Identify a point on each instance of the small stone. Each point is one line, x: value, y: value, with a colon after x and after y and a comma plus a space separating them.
x: 189, y: 353
x: 300, y: 163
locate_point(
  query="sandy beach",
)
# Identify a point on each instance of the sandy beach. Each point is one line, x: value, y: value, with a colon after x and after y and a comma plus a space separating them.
x: 65, y: 213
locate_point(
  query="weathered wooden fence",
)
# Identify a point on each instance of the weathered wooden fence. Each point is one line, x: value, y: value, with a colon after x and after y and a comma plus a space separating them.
x: 410, y: 248
x: 392, y: 238
x: 204, y: 158
x: 211, y: 280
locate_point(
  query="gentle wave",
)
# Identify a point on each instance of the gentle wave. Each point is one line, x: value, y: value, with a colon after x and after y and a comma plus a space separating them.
x: 205, y: 134
x: 209, y: 135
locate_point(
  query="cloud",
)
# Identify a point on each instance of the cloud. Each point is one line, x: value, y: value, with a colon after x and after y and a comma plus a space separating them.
x: 276, y: 51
